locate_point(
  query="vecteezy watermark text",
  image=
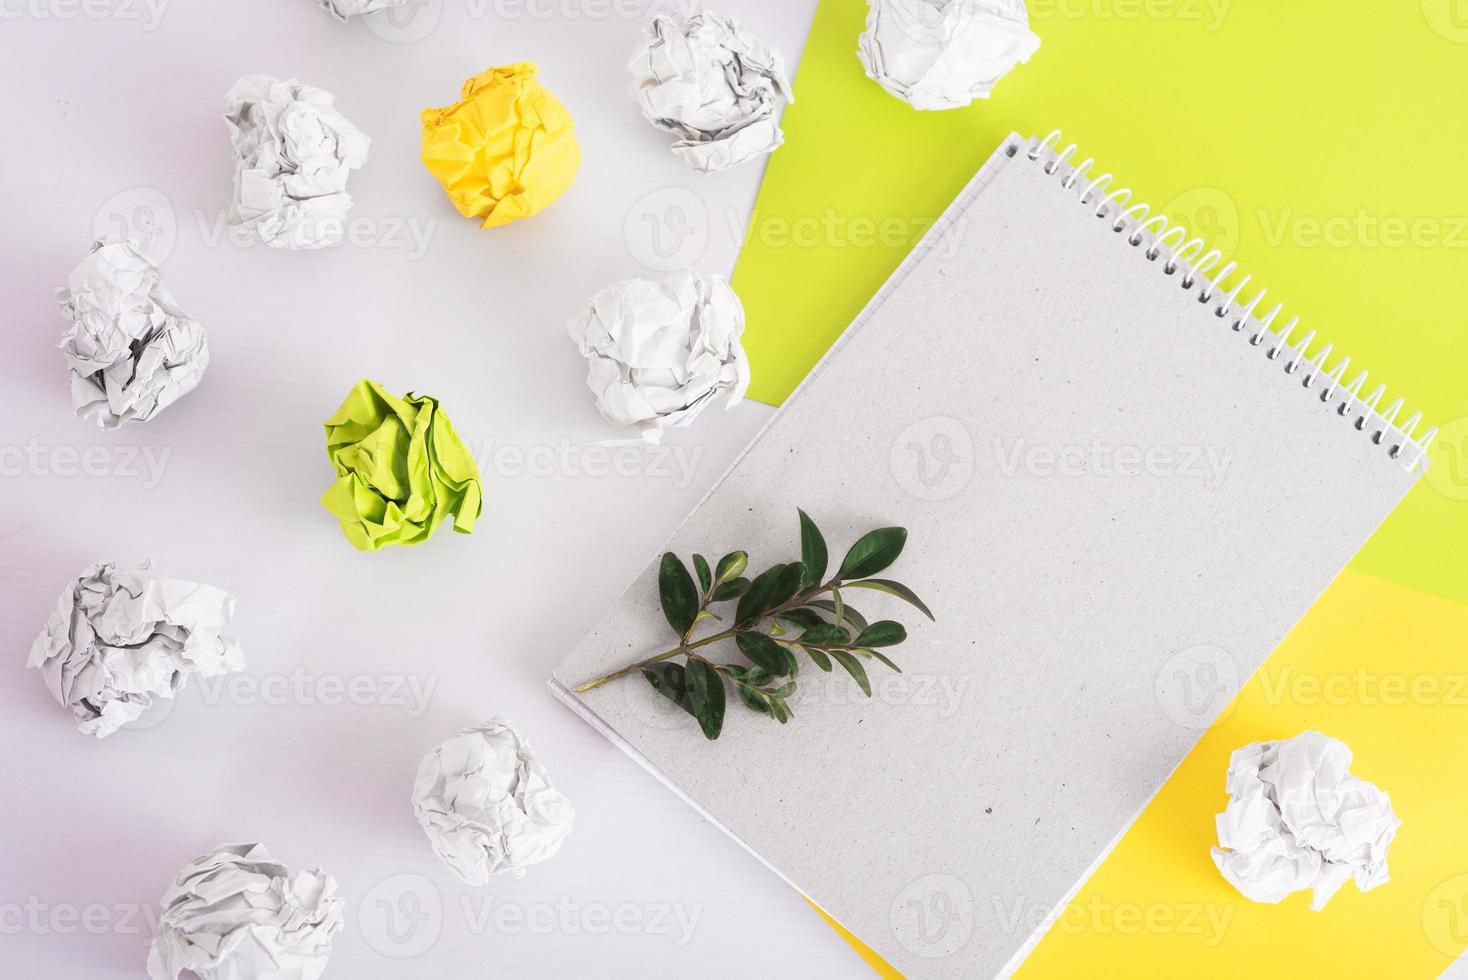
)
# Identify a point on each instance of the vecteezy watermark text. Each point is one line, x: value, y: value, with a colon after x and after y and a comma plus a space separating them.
x: 300, y: 686
x: 1208, y: 464
x: 402, y: 917
x: 148, y: 218
x: 1204, y: 921
x: 568, y: 917
x: 1364, y: 229
x: 596, y: 462
x: 1362, y: 687
x: 670, y: 229
x: 409, y: 234
x: 1209, y: 14
x: 148, y: 14
x: 580, y: 9
x: 34, y: 458
x: 942, y: 694
x: 935, y: 916
x: 36, y: 917
x: 833, y: 229
x: 412, y: 692
x: 417, y: 19
x: 935, y: 459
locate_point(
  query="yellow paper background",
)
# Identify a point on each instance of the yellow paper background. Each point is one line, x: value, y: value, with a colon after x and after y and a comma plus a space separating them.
x: 1270, y: 126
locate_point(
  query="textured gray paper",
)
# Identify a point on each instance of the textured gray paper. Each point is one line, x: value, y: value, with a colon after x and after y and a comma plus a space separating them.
x: 1117, y: 508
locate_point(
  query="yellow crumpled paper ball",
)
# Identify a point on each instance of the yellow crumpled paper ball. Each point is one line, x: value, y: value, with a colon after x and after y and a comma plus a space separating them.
x: 505, y: 150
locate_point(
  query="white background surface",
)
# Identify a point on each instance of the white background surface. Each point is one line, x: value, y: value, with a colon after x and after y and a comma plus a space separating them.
x: 118, y: 117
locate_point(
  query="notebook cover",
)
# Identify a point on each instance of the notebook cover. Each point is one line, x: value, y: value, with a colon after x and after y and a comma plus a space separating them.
x: 1117, y: 507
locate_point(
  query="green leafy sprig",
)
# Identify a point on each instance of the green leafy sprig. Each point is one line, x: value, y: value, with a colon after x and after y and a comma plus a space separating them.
x: 785, y: 611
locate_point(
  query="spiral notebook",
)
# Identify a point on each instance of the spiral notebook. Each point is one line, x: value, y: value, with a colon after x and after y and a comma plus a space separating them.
x: 1124, y: 477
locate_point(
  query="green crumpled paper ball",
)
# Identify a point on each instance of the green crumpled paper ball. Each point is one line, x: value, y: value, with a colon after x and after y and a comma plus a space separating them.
x: 401, y: 469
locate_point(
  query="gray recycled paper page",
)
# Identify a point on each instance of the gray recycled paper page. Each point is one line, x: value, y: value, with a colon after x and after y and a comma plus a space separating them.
x: 1117, y: 507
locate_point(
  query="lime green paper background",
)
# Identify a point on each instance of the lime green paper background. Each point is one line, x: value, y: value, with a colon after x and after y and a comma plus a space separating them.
x: 1322, y: 143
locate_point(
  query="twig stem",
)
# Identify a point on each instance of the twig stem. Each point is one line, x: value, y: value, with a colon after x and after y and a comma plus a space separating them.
x: 688, y: 646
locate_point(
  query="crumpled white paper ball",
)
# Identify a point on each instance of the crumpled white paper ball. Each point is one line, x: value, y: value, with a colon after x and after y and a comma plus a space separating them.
x: 342, y: 9
x: 121, y: 637
x: 1297, y: 819
x: 660, y: 353
x: 131, y: 350
x: 293, y: 153
x: 238, y: 914
x: 716, y: 88
x: 943, y: 54
x: 487, y: 805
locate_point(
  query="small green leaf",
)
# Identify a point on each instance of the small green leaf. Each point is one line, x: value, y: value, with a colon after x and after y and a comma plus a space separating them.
x: 883, y: 657
x: 706, y: 693
x: 758, y: 598
x: 787, y: 585
x: 792, y: 666
x: 780, y: 710
x: 825, y: 635
x: 731, y: 566
x: 819, y: 658
x: 752, y: 698
x: 764, y: 652
x: 883, y: 634
x: 847, y: 613
x: 855, y: 669
x: 893, y: 588
x: 813, y: 556
x: 838, y: 608
x: 802, y: 619
x: 705, y: 577
x: 670, y: 681
x: 678, y: 594
x: 783, y: 691
x: 873, y: 552
x: 732, y: 589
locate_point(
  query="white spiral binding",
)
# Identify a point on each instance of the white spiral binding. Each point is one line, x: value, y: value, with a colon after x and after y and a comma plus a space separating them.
x: 1193, y: 256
